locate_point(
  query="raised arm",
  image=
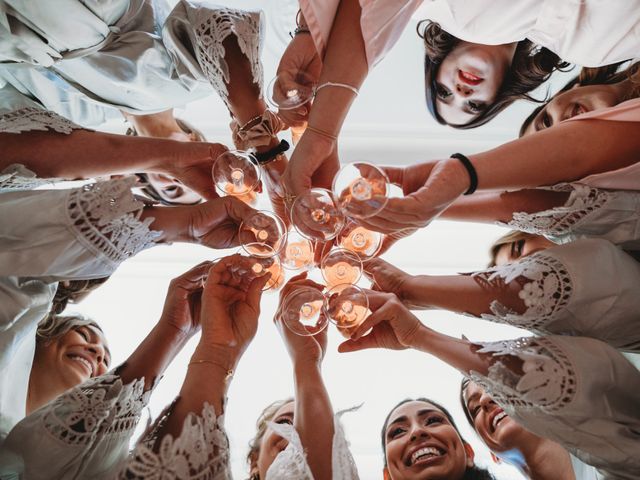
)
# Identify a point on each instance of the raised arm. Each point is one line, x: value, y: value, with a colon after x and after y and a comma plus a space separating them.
x: 568, y: 152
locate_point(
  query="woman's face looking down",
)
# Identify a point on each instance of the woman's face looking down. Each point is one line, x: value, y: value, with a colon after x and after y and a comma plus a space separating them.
x: 469, y: 79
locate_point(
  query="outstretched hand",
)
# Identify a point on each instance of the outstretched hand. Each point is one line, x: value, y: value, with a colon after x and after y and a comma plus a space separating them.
x: 216, y: 223
x: 392, y: 325
x: 231, y: 305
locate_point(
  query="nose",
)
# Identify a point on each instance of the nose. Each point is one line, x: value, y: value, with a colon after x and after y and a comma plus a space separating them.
x: 486, y: 401
x: 419, y: 432
x: 464, y: 90
x: 97, y: 351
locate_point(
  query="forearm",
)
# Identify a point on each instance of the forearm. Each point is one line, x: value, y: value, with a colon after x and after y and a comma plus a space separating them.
x: 458, y: 353
x: 461, y: 293
x: 153, y: 355
x: 83, y: 154
x: 567, y: 152
x: 171, y: 222
x: 490, y: 207
x: 340, y: 65
x: 314, y: 419
x: 206, y: 381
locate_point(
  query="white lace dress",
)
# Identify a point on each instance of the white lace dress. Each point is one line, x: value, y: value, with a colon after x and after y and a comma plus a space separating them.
x: 577, y: 391
x: 85, y: 60
x: 588, y: 212
x: 202, y: 452
x: 47, y: 236
x: 584, y: 288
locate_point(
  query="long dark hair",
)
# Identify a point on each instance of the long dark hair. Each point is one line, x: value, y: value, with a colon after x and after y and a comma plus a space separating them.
x: 605, y: 75
x: 530, y: 67
x: 472, y: 473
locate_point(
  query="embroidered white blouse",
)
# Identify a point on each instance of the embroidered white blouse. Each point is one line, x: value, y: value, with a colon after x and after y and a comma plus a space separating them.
x: 577, y: 391
x: 87, y: 59
x: 202, y: 452
x: 47, y: 236
x: 584, y: 288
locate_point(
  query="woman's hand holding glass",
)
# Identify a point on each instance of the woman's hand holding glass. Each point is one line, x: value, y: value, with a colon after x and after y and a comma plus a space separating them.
x: 231, y: 307
x: 445, y: 182
x: 181, y: 311
x: 392, y: 325
x: 303, y: 349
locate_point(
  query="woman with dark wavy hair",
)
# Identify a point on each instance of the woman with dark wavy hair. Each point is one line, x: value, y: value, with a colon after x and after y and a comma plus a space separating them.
x: 420, y: 439
x: 501, y: 48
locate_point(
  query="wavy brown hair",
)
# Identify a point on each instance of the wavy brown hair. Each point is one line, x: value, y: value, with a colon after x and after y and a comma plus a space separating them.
x: 606, y: 75
x: 73, y: 291
x: 531, y: 66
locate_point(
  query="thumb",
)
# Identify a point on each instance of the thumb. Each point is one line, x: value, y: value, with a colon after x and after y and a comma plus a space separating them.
x: 356, y: 345
x: 254, y: 293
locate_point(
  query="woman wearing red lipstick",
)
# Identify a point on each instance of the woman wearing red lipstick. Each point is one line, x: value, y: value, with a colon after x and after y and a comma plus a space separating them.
x: 420, y: 441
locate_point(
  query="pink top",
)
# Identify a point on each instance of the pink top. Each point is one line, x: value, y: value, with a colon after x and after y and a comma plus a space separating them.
x: 382, y: 23
x: 626, y: 178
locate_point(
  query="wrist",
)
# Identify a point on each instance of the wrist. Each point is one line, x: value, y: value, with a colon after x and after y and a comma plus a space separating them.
x: 455, y: 174
x: 415, y: 291
x: 170, y: 222
x: 305, y: 369
x: 224, y: 357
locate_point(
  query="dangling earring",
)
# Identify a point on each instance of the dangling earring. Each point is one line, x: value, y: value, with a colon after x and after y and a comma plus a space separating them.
x: 254, y: 476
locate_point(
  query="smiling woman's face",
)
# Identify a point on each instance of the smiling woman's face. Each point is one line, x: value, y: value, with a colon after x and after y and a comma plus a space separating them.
x: 74, y: 357
x: 573, y: 102
x: 421, y: 444
x: 496, y: 429
x: 469, y: 79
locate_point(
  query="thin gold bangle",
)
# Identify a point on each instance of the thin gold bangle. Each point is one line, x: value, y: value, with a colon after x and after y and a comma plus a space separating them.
x: 228, y: 371
x: 322, y: 132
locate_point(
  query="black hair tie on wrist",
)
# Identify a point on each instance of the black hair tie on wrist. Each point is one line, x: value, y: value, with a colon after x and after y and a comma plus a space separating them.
x: 268, y: 156
x: 473, y: 175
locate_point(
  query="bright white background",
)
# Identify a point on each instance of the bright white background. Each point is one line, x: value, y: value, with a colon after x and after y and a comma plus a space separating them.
x: 387, y: 125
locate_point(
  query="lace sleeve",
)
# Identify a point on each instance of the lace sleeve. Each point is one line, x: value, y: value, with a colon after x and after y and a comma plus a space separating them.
x: 577, y: 391
x: 84, y: 432
x: 546, y: 289
x: 106, y: 217
x: 32, y: 118
x: 201, y: 452
x: 212, y: 27
x: 588, y: 212
x: 17, y: 177
x: 292, y: 464
x: 588, y: 287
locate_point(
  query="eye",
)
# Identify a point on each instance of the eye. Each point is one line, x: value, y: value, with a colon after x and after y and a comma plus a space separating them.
x: 546, y: 120
x: 474, y: 411
x: 476, y: 107
x: 83, y: 333
x: 395, y: 432
x: 441, y: 92
x: 434, y: 420
x: 284, y: 420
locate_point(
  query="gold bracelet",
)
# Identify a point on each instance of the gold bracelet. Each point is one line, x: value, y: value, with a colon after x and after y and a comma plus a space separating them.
x: 351, y: 88
x: 229, y: 372
x: 322, y: 132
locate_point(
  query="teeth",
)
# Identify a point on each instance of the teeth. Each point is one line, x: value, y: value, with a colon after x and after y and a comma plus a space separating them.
x: 430, y: 451
x: 497, y: 418
x: 83, y: 361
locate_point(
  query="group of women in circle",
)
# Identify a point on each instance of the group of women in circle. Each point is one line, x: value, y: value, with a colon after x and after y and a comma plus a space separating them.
x: 562, y: 403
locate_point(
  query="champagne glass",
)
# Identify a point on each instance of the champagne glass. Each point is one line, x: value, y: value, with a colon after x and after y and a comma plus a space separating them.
x: 291, y: 89
x: 262, y: 234
x: 297, y: 254
x: 303, y: 311
x: 346, y: 306
x: 271, y: 265
x: 236, y: 173
x: 361, y: 189
x: 359, y: 240
x: 341, y: 267
x: 316, y: 216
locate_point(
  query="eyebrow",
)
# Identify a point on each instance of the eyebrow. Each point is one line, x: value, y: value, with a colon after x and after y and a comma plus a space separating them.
x: 420, y: 413
x: 465, y: 109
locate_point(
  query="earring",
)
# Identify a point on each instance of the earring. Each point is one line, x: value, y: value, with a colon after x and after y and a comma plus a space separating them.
x: 254, y: 476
